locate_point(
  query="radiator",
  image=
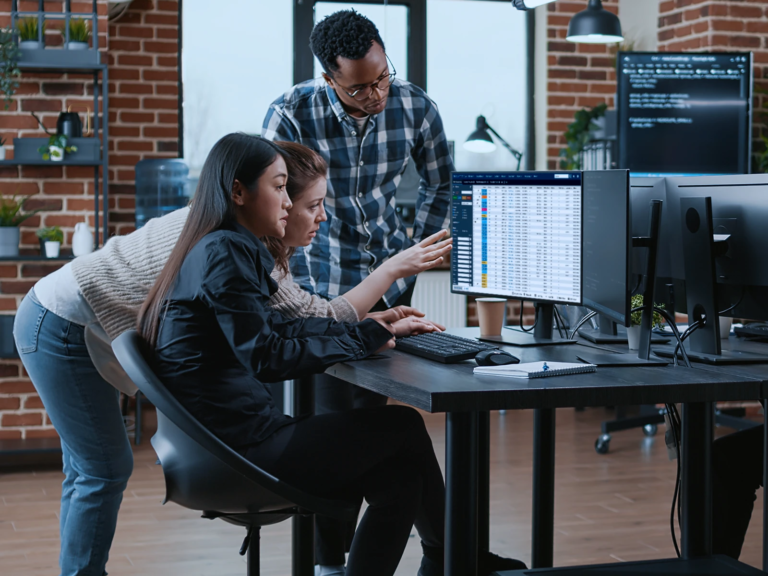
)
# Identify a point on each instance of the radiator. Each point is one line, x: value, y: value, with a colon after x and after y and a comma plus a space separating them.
x: 433, y: 297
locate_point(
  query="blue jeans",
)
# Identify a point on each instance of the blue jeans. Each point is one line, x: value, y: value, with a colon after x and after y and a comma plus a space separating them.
x: 85, y: 411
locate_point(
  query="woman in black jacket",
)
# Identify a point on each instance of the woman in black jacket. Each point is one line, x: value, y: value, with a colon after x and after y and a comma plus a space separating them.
x: 216, y: 342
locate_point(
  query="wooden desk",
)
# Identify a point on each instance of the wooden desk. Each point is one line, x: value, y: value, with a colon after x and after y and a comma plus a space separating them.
x: 465, y: 398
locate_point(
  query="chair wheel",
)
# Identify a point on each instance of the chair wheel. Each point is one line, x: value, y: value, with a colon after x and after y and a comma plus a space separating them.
x: 650, y: 429
x: 602, y: 444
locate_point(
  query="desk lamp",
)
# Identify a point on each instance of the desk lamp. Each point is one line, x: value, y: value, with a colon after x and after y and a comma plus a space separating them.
x: 480, y: 141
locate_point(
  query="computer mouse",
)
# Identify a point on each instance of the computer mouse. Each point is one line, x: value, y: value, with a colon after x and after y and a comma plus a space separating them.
x: 495, y: 358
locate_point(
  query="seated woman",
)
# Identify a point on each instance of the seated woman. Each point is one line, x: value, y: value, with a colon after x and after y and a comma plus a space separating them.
x: 216, y: 341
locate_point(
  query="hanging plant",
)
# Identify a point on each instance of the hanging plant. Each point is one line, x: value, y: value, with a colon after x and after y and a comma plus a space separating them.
x: 9, y: 70
x: 578, y: 134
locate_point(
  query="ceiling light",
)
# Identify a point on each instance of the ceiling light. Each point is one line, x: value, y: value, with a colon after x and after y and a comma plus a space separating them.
x: 595, y: 25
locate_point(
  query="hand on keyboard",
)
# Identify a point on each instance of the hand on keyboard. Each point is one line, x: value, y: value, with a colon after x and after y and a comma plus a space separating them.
x: 411, y: 326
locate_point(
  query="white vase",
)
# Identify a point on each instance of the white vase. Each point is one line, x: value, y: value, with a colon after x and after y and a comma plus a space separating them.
x: 56, y: 153
x: 633, y: 337
x: 2, y: 152
x: 9, y: 241
x: 74, y: 45
x: 725, y: 327
x: 82, y: 240
x: 52, y: 249
x: 29, y: 44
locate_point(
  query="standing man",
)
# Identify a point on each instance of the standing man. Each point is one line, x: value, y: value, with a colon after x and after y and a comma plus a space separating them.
x: 367, y: 125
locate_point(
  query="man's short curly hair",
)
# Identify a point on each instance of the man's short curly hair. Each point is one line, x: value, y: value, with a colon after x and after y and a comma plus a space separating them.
x: 345, y: 33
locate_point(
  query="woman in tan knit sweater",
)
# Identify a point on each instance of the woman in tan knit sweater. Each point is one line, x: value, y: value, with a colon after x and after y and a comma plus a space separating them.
x: 63, y: 331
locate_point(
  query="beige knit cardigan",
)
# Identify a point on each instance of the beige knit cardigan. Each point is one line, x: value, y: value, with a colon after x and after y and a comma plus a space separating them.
x: 115, y: 280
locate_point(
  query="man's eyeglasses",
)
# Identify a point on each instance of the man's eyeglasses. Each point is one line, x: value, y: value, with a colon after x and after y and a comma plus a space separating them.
x: 381, y: 84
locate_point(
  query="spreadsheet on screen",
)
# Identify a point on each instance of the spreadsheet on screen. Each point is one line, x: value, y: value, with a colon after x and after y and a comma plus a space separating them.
x: 517, y: 235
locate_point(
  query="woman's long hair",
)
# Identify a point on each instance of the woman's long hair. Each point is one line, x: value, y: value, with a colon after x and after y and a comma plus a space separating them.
x: 234, y: 157
x: 305, y: 167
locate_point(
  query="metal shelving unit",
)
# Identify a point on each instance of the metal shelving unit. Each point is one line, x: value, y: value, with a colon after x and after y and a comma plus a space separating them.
x: 77, y: 62
x: 35, y: 451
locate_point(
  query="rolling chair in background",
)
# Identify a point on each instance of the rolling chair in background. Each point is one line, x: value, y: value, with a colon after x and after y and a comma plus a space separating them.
x: 202, y: 473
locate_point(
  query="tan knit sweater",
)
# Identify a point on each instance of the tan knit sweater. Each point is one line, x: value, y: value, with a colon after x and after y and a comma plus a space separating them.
x: 115, y: 280
x: 294, y: 302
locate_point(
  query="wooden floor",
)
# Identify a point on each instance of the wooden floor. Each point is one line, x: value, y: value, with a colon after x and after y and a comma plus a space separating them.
x: 608, y: 508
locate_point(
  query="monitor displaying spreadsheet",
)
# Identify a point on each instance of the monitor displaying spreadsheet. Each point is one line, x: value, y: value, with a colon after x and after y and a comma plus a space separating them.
x: 517, y: 235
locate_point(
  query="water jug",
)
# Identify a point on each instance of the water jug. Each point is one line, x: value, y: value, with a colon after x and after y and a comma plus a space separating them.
x: 161, y: 187
x: 82, y: 240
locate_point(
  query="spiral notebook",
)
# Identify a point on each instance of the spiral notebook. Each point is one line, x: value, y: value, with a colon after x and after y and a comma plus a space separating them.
x: 535, y: 369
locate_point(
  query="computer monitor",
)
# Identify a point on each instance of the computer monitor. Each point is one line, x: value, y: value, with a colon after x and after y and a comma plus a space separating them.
x: 607, y: 263
x: 518, y: 235
x: 684, y: 113
x: 607, y: 234
x: 716, y: 231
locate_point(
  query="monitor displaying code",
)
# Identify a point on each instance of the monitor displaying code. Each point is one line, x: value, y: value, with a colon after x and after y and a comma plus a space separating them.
x: 684, y: 113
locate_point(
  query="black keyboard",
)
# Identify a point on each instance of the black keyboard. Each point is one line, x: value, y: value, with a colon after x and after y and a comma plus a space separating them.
x: 442, y: 347
x: 758, y: 330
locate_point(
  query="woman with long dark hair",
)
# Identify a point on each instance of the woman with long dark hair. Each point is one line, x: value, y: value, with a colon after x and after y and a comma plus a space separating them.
x: 216, y: 341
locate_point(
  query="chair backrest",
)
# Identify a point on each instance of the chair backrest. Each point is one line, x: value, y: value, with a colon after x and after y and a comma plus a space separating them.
x: 201, y: 472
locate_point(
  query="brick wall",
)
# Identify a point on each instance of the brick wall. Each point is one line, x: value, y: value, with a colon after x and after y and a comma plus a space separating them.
x: 580, y: 75
x: 141, y: 51
x: 707, y: 26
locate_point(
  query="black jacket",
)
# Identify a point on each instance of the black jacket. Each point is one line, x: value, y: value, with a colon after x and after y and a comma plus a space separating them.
x: 218, y: 341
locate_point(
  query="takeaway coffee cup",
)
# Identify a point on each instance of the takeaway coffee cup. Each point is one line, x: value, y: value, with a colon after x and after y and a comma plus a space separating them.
x: 491, y: 313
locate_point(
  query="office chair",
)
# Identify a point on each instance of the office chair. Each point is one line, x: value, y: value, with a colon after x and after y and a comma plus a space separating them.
x: 202, y: 473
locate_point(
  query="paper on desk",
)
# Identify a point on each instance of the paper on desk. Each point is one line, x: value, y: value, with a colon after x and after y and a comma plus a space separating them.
x: 535, y: 369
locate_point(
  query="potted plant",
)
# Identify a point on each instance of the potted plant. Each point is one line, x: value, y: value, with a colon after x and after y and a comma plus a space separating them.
x: 2, y: 148
x: 56, y: 147
x: 29, y: 33
x: 579, y: 133
x: 636, y: 318
x: 9, y: 69
x: 12, y: 214
x: 52, y: 237
x: 79, y: 33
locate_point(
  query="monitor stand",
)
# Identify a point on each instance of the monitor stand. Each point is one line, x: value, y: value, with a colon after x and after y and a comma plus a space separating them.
x: 607, y: 359
x: 541, y: 335
x: 699, y: 252
x: 643, y: 356
x: 611, y: 333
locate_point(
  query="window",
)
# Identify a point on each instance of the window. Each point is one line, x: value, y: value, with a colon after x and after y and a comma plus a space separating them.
x: 236, y: 61
x: 476, y: 64
x: 237, y: 58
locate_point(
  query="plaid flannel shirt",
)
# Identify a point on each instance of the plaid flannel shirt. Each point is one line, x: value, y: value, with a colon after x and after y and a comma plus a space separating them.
x: 363, y: 229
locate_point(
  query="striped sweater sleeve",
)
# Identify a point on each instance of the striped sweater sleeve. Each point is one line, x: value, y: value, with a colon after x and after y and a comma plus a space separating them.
x: 293, y: 302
